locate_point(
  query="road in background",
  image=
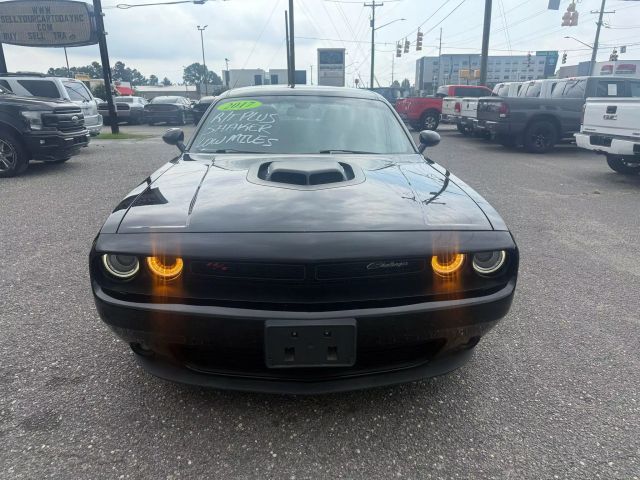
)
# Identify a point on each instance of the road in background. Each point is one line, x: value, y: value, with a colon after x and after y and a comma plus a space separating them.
x: 552, y: 392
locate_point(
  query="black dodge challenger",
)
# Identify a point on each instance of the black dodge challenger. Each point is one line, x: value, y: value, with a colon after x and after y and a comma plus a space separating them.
x: 301, y: 243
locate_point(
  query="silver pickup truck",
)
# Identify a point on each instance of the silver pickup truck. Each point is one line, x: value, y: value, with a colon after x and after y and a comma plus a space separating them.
x: 611, y: 127
x: 467, y: 121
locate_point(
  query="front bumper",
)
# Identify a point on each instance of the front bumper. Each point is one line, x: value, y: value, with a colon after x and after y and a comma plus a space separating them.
x: 158, y: 117
x: 45, y: 145
x: 608, y: 145
x: 94, y: 125
x: 224, y: 347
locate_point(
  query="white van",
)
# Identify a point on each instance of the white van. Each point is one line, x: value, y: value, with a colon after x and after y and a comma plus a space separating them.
x: 70, y: 89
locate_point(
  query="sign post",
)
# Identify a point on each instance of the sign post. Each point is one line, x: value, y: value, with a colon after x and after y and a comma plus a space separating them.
x: 56, y: 23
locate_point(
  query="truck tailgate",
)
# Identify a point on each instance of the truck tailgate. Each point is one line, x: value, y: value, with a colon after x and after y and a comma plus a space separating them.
x: 617, y: 117
x: 469, y: 107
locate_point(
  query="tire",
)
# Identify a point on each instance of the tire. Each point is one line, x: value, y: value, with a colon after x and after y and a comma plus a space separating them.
x: 13, y: 156
x: 182, y: 120
x: 621, y: 165
x: 463, y: 130
x: 430, y: 120
x: 540, y: 137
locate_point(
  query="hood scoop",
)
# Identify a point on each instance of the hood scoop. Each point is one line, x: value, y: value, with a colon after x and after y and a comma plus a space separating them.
x: 305, y: 174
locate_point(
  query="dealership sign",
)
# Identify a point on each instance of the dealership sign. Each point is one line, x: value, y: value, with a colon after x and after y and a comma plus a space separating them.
x: 47, y: 23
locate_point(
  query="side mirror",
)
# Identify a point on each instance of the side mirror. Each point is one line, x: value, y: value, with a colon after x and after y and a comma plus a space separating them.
x: 175, y: 136
x: 428, y: 138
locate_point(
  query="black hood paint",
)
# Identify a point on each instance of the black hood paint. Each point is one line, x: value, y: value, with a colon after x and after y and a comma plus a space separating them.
x: 213, y: 194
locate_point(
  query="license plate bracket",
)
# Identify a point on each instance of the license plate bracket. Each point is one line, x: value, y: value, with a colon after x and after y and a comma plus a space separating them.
x: 314, y: 343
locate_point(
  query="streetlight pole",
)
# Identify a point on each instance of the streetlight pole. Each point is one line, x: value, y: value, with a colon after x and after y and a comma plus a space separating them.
x: 594, y: 54
x: 373, y: 6
x: 204, y: 64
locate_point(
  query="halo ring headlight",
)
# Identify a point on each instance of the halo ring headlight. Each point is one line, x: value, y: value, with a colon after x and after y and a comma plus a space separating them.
x: 445, y: 265
x: 123, y: 267
x: 489, y: 263
x: 165, y: 268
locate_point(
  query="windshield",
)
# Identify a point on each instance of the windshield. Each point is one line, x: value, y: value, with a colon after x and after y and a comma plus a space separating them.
x: 302, y: 125
x: 77, y: 92
x: 165, y: 100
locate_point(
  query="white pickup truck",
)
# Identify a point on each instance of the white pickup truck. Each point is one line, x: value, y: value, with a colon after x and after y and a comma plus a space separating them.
x: 467, y: 120
x: 611, y: 126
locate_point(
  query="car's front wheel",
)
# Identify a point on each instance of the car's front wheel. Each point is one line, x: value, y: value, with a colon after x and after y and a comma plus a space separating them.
x: 13, y: 156
x: 623, y: 165
x: 430, y: 120
x: 540, y: 137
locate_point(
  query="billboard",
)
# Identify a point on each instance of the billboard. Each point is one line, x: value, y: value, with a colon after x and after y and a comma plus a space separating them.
x: 331, y: 69
x: 551, y: 61
x: 622, y: 68
x: 47, y: 23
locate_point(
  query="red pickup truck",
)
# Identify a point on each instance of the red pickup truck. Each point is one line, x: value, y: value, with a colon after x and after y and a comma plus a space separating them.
x: 423, y: 113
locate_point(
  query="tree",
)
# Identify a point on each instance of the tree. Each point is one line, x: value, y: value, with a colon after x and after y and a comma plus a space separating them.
x: 396, y: 84
x: 93, y: 71
x: 153, y: 80
x: 194, y: 75
x: 166, y: 82
x: 406, y: 84
x: 99, y: 91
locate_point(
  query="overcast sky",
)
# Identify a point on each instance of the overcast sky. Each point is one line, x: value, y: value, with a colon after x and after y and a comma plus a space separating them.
x: 161, y: 40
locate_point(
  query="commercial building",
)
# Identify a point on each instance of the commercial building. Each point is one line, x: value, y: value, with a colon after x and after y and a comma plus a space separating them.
x: 251, y: 77
x: 621, y: 68
x: 464, y: 69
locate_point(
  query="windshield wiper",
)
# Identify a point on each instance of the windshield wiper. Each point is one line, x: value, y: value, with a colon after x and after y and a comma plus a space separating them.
x: 344, y: 151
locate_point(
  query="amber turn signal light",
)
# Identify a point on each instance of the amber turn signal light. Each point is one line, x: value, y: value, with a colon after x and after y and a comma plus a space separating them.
x: 445, y: 265
x: 165, y: 268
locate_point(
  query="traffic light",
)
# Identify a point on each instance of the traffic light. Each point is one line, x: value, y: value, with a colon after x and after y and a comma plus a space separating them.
x: 564, y: 58
x: 419, y: 40
x: 398, y: 50
x: 570, y: 17
x: 614, y: 56
x: 407, y: 46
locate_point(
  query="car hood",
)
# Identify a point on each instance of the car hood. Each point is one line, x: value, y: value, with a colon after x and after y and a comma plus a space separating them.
x: 36, y: 103
x: 222, y: 194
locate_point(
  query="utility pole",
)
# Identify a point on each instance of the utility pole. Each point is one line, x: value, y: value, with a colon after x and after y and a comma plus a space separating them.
x: 594, y: 54
x: 484, y: 60
x: 286, y: 29
x: 393, y: 65
x: 3, y: 62
x: 439, y: 62
x: 106, y: 68
x: 292, y: 45
x: 204, y: 64
x: 66, y: 57
x: 373, y: 6
x: 311, y: 74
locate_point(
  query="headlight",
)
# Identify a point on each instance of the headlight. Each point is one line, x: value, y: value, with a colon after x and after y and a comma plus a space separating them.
x: 488, y: 263
x: 167, y: 268
x: 123, y: 267
x: 445, y: 265
x: 33, y: 119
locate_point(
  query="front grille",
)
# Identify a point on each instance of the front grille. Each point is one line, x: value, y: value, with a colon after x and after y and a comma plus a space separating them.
x: 249, y: 361
x: 65, y: 119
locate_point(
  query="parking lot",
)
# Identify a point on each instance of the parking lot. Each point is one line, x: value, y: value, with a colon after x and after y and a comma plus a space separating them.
x: 552, y: 392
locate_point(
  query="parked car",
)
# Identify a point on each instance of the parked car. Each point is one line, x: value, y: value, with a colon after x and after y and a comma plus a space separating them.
x: 467, y: 119
x: 540, y: 123
x: 45, y: 86
x: 37, y: 129
x: 391, y: 94
x: 176, y: 110
x: 322, y: 253
x: 200, y: 108
x: 128, y: 109
x: 611, y: 126
x: 424, y: 112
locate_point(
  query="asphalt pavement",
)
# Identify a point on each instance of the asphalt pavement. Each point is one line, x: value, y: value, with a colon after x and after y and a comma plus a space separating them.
x: 552, y: 392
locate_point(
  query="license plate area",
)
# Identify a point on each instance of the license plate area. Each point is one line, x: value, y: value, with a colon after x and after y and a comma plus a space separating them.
x: 316, y: 343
